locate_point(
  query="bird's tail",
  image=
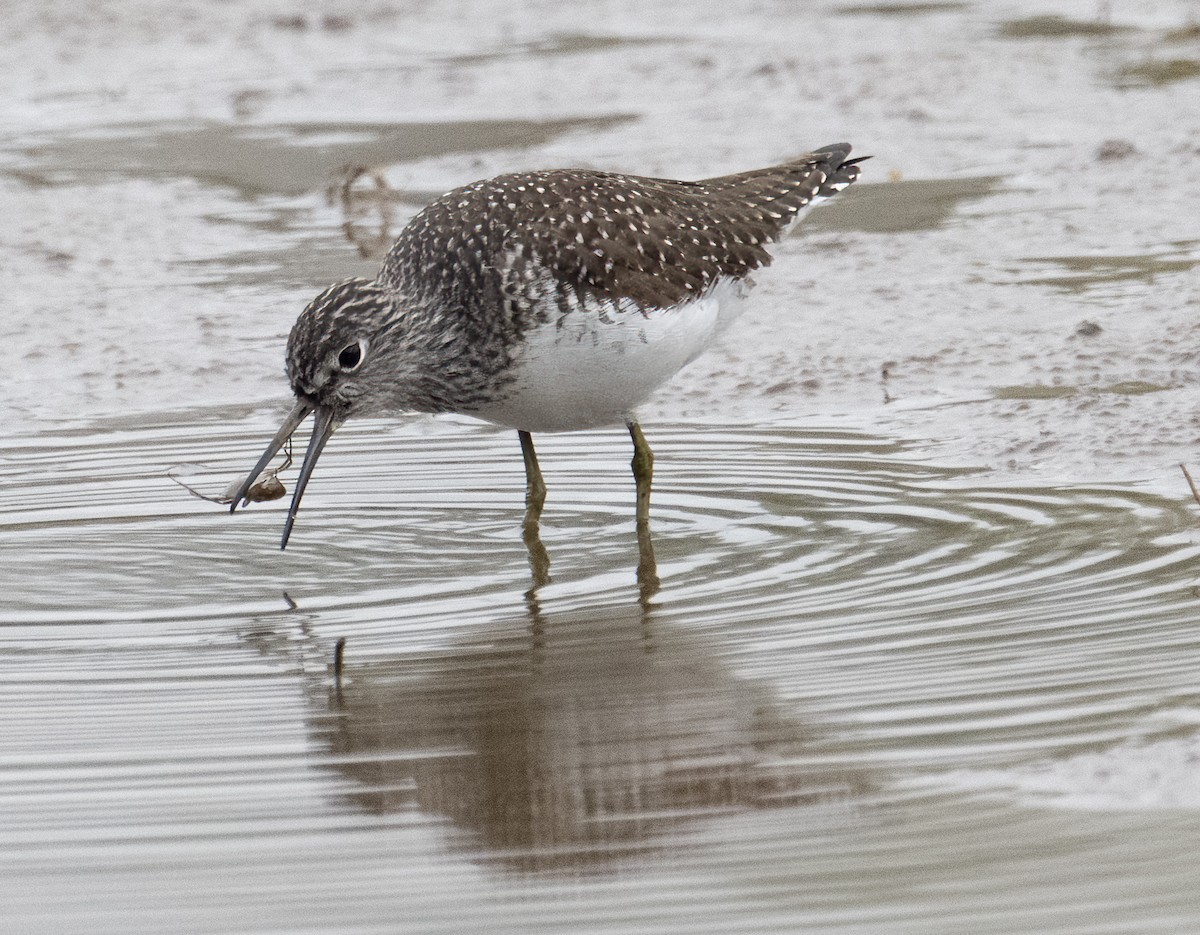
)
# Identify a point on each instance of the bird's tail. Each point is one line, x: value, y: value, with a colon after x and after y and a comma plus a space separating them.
x: 839, y: 171
x: 786, y: 192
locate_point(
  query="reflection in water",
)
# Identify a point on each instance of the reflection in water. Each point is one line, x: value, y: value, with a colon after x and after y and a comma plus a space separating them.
x: 568, y: 739
x: 539, y: 558
x: 587, y: 739
x: 366, y: 213
x: 872, y: 695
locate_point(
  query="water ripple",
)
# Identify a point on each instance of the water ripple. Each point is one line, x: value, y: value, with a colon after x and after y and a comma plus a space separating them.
x: 881, y: 654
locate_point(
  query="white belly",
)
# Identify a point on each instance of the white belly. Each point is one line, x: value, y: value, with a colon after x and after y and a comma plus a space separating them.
x: 584, y: 371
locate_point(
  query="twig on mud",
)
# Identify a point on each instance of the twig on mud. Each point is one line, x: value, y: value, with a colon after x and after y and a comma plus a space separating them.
x: 1191, y: 483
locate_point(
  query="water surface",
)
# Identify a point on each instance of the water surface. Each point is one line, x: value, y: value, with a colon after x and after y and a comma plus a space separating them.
x: 869, y: 687
x: 938, y: 685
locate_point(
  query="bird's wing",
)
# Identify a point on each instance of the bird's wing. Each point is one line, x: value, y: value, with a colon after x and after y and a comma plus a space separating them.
x: 565, y: 237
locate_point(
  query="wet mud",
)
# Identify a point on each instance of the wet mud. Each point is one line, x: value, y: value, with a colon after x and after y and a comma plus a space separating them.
x: 921, y: 651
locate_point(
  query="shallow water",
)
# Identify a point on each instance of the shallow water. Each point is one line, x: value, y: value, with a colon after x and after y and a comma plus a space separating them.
x: 869, y: 688
x: 938, y: 685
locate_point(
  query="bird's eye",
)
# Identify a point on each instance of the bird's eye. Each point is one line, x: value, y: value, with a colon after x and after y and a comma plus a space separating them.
x: 352, y: 355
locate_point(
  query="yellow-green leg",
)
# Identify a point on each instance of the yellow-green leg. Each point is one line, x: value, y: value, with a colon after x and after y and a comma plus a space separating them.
x: 535, y: 487
x: 535, y: 499
x: 643, y: 473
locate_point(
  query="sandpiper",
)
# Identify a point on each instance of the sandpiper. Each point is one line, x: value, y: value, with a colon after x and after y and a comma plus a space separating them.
x: 544, y: 302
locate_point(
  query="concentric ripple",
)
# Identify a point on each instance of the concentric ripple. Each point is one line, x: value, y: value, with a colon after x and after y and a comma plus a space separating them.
x: 855, y: 660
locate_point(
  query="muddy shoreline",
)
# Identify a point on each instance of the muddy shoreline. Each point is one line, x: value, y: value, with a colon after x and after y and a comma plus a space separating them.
x: 1016, y: 258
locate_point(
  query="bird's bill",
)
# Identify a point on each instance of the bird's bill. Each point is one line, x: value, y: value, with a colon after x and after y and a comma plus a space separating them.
x: 298, y: 414
x: 324, y: 425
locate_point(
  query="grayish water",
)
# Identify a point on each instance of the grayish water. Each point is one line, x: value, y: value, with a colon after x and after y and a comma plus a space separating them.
x: 869, y: 689
x: 938, y: 685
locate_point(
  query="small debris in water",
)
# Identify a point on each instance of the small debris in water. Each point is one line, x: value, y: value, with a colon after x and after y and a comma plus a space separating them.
x: 1057, y: 27
x: 339, y: 657
x: 1191, y: 483
x: 884, y: 374
x: 1157, y: 72
x: 1188, y: 33
x: 1111, y: 150
x: 296, y: 22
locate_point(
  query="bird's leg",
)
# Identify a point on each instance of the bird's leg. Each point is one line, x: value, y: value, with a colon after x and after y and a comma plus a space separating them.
x: 535, y: 499
x: 535, y: 487
x: 643, y: 471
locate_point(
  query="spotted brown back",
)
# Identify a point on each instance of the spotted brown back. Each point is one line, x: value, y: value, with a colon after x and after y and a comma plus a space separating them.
x: 533, y: 244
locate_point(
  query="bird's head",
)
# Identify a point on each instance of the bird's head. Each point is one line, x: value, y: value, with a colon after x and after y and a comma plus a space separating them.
x: 333, y: 365
x: 334, y: 346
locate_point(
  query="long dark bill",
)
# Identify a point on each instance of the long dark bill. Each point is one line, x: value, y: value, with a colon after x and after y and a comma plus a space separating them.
x: 298, y: 414
x: 324, y: 424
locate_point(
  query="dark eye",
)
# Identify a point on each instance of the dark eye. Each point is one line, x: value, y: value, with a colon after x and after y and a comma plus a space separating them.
x: 351, y: 356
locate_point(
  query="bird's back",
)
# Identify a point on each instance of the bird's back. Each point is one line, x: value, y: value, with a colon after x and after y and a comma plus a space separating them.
x: 541, y: 241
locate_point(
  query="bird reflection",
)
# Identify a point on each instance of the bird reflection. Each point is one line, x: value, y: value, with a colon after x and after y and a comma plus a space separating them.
x: 539, y: 558
x: 594, y: 740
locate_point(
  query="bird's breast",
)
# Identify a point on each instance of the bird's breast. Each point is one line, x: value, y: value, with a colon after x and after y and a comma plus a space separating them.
x: 593, y: 364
